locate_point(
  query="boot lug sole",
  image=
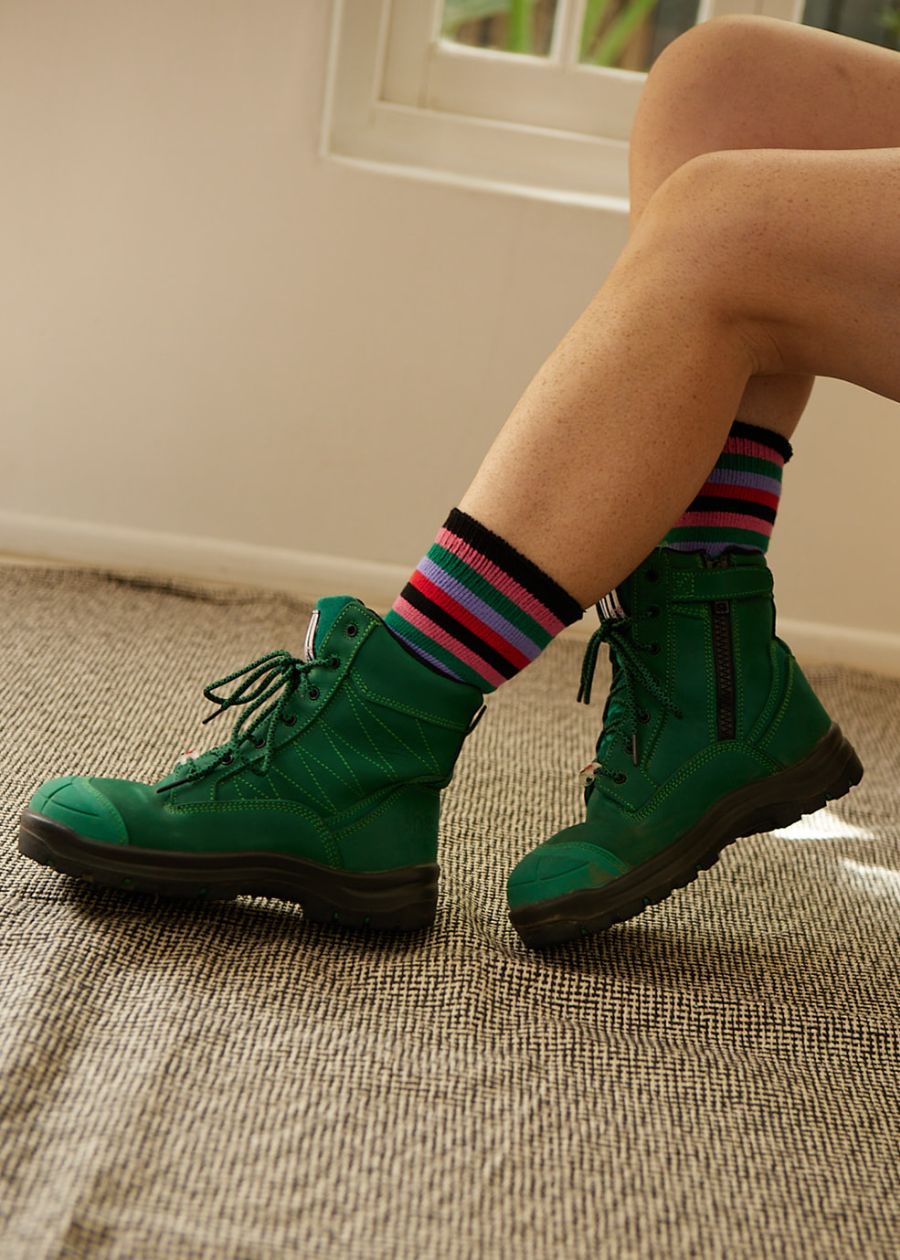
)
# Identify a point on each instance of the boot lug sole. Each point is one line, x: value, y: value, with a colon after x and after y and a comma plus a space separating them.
x: 827, y: 774
x: 403, y: 899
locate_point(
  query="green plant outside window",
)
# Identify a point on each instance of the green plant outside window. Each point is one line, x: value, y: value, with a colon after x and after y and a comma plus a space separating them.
x: 630, y: 34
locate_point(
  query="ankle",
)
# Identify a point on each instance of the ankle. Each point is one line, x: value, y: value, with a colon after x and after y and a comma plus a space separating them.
x: 477, y: 608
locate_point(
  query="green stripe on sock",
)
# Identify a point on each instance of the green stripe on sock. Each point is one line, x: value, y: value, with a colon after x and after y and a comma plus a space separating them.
x: 717, y: 534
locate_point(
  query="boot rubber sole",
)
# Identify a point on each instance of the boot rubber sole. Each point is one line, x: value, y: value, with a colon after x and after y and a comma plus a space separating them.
x: 403, y: 899
x: 827, y: 774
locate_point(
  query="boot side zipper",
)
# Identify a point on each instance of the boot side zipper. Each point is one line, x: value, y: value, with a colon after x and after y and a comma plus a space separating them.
x: 723, y: 662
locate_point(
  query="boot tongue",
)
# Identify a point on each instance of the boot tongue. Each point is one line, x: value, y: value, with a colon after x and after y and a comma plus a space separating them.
x: 322, y: 619
x: 614, y: 606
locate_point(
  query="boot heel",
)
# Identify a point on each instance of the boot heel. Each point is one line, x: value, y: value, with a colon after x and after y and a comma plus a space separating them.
x: 827, y: 774
x: 846, y: 767
x: 402, y: 899
x: 409, y: 907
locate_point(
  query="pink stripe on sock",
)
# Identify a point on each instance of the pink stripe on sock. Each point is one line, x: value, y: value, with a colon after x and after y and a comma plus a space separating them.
x: 447, y: 641
x: 744, y: 446
x: 501, y: 581
x: 725, y: 520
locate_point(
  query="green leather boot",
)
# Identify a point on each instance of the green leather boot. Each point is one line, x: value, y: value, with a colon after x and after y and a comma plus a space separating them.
x: 710, y: 732
x: 327, y: 792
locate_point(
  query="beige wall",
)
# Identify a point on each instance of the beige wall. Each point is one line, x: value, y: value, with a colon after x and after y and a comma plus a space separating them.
x: 224, y: 354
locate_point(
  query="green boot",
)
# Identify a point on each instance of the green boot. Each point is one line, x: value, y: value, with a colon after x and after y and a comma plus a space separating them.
x: 711, y: 732
x: 327, y: 792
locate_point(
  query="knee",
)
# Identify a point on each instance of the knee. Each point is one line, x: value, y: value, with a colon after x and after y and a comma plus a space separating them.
x: 707, y: 56
x: 708, y: 227
x: 709, y: 86
x: 699, y: 208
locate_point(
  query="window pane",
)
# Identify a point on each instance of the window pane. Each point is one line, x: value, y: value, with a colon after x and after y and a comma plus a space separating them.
x: 630, y: 34
x: 520, y: 26
x: 876, y: 21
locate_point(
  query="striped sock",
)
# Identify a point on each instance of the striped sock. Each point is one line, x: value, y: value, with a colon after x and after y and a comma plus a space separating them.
x: 737, y: 505
x: 477, y: 609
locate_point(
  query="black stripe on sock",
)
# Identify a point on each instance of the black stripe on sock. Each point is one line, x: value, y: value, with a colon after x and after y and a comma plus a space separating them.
x: 745, y: 507
x: 756, y: 433
x: 525, y: 571
x: 448, y: 622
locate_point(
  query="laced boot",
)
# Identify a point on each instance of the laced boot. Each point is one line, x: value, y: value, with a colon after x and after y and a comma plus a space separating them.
x: 327, y: 792
x: 710, y: 732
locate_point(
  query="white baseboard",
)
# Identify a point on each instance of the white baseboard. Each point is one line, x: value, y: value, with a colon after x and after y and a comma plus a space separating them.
x: 307, y: 575
x: 304, y: 574
x: 817, y: 643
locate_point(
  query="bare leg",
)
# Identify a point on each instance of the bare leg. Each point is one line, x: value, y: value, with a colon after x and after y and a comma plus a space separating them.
x: 757, y: 83
x: 760, y: 262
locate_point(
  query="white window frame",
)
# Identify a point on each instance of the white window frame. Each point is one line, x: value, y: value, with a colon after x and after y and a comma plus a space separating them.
x: 401, y: 98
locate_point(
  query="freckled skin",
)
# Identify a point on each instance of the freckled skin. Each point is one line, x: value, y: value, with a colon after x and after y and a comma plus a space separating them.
x: 763, y: 251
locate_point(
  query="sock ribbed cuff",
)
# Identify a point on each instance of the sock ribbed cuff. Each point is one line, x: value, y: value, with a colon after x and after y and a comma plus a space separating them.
x: 476, y: 608
x: 738, y: 504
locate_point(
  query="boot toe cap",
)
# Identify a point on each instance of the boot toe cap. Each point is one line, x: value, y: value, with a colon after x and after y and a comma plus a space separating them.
x: 78, y: 804
x: 562, y: 866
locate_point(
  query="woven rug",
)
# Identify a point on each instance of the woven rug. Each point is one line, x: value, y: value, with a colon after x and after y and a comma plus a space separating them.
x: 717, y: 1078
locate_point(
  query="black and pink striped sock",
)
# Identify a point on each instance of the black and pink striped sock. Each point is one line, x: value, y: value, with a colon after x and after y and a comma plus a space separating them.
x: 477, y: 609
x: 738, y: 504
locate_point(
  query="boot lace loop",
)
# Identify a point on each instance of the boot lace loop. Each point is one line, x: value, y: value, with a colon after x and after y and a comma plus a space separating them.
x: 275, y: 677
x: 628, y: 671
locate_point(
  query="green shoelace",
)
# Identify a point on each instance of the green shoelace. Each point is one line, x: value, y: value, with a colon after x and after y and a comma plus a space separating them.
x: 625, y: 714
x: 277, y: 676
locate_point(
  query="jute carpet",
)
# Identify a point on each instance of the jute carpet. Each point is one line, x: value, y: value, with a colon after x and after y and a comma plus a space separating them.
x: 718, y: 1078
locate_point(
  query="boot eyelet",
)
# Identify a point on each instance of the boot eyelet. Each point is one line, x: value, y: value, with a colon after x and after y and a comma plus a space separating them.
x: 313, y: 693
x: 290, y: 719
x: 258, y: 743
x: 334, y: 663
x: 651, y: 575
x: 352, y: 630
x: 654, y: 649
x: 227, y: 759
x: 643, y: 717
x: 619, y: 778
x: 653, y: 610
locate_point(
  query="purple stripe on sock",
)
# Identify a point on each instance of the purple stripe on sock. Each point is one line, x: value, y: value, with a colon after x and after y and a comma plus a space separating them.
x: 461, y: 593
x: 735, y: 477
x: 414, y: 647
